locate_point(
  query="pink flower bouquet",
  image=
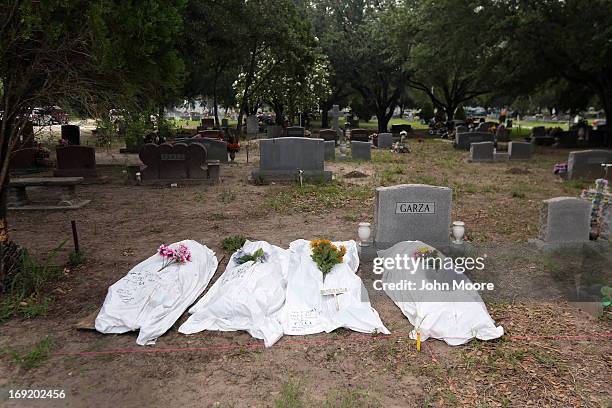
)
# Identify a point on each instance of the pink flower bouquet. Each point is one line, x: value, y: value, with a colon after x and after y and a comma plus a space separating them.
x: 171, y: 256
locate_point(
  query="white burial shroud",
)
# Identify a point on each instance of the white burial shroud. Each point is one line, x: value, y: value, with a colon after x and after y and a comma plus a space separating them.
x: 151, y: 300
x: 455, y: 317
x: 246, y: 297
x: 308, y: 311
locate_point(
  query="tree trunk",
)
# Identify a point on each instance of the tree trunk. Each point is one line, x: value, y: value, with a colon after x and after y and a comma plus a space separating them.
x: 450, y: 110
x: 383, y: 120
x: 325, y: 118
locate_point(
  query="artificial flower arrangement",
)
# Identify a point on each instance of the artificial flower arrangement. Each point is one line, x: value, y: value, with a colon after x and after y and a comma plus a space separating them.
x: 326, y: 255
x: 258, y: 256
x: 427, y: 254
x: 233, y: 147
x: 171, y: 256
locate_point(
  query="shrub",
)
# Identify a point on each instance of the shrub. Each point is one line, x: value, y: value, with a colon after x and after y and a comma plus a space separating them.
x: 233, y: 243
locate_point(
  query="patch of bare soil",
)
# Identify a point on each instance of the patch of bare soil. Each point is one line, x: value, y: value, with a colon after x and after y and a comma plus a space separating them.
x: 124, y: 224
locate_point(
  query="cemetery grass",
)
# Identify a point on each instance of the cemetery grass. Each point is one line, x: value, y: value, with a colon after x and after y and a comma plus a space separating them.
x: 124, y: 225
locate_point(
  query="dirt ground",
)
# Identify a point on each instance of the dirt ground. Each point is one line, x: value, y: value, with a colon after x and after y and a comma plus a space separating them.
x: 553, y: 354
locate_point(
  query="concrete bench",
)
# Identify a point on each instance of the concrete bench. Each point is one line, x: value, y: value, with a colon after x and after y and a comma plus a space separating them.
x: 69, y: 200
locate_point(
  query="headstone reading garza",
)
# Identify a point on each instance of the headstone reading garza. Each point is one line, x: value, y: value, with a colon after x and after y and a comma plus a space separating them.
x: 76, y: 161
x: 519, y: 150
x: 216, y: 149
x: 482, y: 151
x: 385, y: 140
x: 71, y: 134
x: 179, y: 162
x: 274, y: 131
x: 359, y: 135
x: 252, y: 125
x: 565, y: 219
x: 283, y: 158
x: 328, y: 134
x: 586, y: 164
x: 361, y: 150
x: 412, y: 212
x: 330, y: 150
x: 295, y: 131
x: 464, y: 140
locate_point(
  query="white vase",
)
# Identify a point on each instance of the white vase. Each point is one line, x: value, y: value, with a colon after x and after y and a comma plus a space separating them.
x: 364, y: 233
x: 458, y: 231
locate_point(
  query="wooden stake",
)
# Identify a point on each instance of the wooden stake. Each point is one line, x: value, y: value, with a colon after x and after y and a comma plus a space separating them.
x: 75, y: 236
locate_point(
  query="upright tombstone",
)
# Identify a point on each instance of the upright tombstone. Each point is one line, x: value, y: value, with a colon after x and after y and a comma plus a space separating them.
x: 330, y: 150
x: 252, y: 125
x: 482, y: 152
x: 207, y: 123
x: 502, y: 134
x: 274, y: 131
x: 328, y: 135
x: 586, y: 164
x: 216, y: 149
x: 76, y: 161
x: 283, y: 158
x: 359, y: 135
x: 565, y: 220
x: 224, y: 123
x: 294, y: 131
x: 412, y: 212
x: 175, y: 163
x: 71, y: 134
x: 361, y: 150
x: 464, y: 140
x: 335, y: 114
x: 519, y: 150
x: 385, y: 140
x: 25, y: 159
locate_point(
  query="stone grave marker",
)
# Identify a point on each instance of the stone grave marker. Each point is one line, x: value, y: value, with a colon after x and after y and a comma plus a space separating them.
x: 361, y: 150
x: 71, y: 134
x: 174, y: 163
x: 482, y: 151
x: 76, y: 161
x: 224, y: 123
x: 519, y: 150
x: 207, y: 123
x: 252, y: 125
x: 328, y: 134
x: 330, y: 150
x: 336, y: 114
x: 586, y: 164
x: 411, y: 212
x: 274, y: 131
x: 464, y: 140
x: 565, y: 219
x: 385, y: 140
x: 216, y: 149
x: 24, y: 159
x: 283, y: 158
x: 359, y: 135
x: 502, y: 134
x: 294, y: 131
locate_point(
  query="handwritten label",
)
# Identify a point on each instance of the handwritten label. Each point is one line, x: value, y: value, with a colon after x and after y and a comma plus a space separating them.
x: 336, y: 291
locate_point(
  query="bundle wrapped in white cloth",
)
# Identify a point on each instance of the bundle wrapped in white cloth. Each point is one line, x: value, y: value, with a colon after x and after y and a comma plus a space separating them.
x: 454, y: 316
x: 315, y: 305
x: 247, y: 296
x: 152, y: 300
